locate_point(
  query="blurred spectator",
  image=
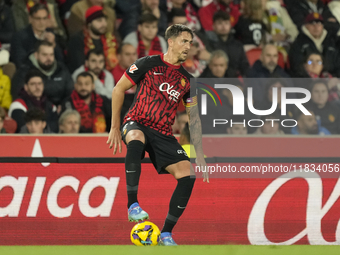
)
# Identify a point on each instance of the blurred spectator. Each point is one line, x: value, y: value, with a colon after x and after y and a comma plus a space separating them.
x: 22, y: 8
x: 334, y: 8
x: 95, y: 64
x: 327, y: 112
x: 145, y: 39
x: 314, y: 38
x: 271, y: 126
x: 2, y: 119
x: 24, y: 41
x: 313, y: 66
x: 127, y: 55
x: 237, y: 129
x: 32, y: 96
x: 282, y: 28
x: 131, y: 19
x: 191, y: 14
x: 218, y: 66
x: 250, y: 29
x: 301, y: 9
x: 6, y: 23
x: 178, y: 16
x: 77, y: 20
x: 69, y: 122
x: 222, y: 39
x: 35, y: 122
x: 65, y: 9
x: 206, y: 13
x: 308, y: 125
x: 95, y: 35
x: 5, y: 82
x: 94, y: 109
x: 57, y: 79
x: 265, y: 67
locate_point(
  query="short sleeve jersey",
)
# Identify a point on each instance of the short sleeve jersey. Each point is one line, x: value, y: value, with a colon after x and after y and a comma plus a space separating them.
x: 160, y: 88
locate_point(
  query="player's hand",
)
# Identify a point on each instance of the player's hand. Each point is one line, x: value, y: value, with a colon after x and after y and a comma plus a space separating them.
x: 200, y: 161
x: 115, y: 139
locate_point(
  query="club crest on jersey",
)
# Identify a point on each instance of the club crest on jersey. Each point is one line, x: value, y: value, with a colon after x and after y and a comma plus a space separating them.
x: 173, y: 94
x: 183, y: 82
x: 133, y: 68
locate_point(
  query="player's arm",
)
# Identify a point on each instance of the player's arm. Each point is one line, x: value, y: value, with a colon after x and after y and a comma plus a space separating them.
x: 118, y: 95
x: 195, y: 128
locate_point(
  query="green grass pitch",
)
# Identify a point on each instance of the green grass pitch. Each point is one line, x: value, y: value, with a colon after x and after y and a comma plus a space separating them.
x: 178, y: 250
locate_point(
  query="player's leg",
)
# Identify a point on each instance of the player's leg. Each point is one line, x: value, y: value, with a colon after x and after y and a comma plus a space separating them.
x: 135, y: 141
x: 179, y: 199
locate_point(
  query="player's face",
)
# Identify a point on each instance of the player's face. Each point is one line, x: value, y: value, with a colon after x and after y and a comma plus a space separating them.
x: 320, y: 94
x: 35, y: 87
x: 128, y: 56
x: 148, y: 30
x: 84, y: 86
x: 71, y: 125
x: 95, y: 63
x: 36, y: 126
x: 181, y: 46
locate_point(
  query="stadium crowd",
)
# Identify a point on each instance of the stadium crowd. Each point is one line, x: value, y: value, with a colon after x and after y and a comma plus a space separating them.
x: 60, y: 59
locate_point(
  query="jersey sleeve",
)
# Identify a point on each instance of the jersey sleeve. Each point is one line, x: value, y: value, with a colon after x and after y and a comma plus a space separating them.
x: 137, y: 70
x: 190, y: 98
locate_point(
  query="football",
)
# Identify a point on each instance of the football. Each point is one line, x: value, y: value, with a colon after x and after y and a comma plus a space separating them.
x: 145, y: 233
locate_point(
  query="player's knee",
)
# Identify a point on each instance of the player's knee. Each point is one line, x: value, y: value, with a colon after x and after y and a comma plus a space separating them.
x: 135, y: 135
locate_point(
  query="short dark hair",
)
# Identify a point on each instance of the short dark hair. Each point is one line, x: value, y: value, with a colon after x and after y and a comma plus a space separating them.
x: 221, y: 15
x: 94, y: 51
x: 147, y: 18
x: 34, y: 114
x: 307, y: 55
x: 176, y: 12
x: 186, y: 132
x: 176, y: 29
x: 85, y: 74
x: 38, y: 7
x: 297, y: 112
x: 43, y: 43
x: 33, y: 73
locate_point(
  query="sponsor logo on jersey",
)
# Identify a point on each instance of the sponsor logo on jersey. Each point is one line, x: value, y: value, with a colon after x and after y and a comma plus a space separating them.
x: 173, y: 94
x: 133, y: 68
x: 183, y: 82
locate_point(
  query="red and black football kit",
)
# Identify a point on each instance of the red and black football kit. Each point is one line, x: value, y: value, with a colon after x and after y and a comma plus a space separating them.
x: 160, y: 88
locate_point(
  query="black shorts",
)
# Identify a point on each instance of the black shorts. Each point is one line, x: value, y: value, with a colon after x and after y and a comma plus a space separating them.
x: 163, y: 150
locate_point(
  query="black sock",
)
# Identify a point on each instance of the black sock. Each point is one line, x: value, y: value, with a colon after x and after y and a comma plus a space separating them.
x: 178, y: 202
x: 135, y: 149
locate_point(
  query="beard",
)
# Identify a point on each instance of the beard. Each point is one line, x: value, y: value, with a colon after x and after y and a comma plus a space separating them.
x: 84, y: 96
x: 96, y: 31
x: 45, y: 67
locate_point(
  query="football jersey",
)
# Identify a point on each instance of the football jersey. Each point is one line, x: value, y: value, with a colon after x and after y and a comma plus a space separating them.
x: 249, y: 32
x: 160, y: 88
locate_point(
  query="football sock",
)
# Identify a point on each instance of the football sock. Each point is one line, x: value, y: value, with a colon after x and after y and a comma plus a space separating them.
x: 135, y: 149
x: 178, y: 202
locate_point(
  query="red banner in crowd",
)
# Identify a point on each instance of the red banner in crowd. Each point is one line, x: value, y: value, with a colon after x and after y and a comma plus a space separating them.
x: 87, y: 204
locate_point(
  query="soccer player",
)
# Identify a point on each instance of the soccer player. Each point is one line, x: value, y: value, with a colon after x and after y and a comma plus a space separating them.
x: 162, y: 83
